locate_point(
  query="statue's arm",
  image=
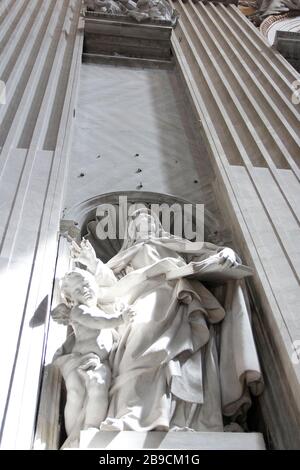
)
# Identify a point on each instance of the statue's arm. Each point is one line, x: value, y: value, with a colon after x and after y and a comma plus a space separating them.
x: 105, y: 276
x: 163, y: 266
x: 86, y: 255
x: 209, y: 250
x: 94, y: 317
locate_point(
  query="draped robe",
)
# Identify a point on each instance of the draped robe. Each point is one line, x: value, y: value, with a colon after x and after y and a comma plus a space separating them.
x: 188, y: 358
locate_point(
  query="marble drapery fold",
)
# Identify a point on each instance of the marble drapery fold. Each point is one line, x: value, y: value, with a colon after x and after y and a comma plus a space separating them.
x: 186, y: 360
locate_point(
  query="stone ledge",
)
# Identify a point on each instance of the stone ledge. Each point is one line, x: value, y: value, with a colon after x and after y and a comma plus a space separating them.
x: 131, y: 440
x: 109, y: 36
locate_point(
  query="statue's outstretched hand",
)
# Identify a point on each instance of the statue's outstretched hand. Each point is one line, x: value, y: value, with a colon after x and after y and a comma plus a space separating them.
x: 129, y: 314
x: 228, y: 258
x: 84, y: 254
x: 127, y: 311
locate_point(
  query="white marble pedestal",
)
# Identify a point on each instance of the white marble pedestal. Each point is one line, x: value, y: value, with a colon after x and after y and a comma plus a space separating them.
x: 131, y: 440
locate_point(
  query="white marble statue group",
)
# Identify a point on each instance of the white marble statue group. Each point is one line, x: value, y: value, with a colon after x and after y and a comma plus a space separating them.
x: 146, y: 353
x: 140, y: 10
x: 276, y: 7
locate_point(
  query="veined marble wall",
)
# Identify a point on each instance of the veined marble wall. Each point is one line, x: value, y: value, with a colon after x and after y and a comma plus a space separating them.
x: 244, y: 94
x: 40, y: 47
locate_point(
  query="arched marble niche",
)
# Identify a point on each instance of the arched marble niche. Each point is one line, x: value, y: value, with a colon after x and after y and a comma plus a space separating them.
x: 80, y: 221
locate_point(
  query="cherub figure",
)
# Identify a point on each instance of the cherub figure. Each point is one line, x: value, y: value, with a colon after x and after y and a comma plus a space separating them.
x: 86, y: 369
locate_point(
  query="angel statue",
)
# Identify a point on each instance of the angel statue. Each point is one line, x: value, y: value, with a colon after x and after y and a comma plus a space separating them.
x: 85, y: 368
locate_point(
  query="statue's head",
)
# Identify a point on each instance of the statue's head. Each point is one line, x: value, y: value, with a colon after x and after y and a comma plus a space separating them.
x: 143, y: 225
x: 79, y: 287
